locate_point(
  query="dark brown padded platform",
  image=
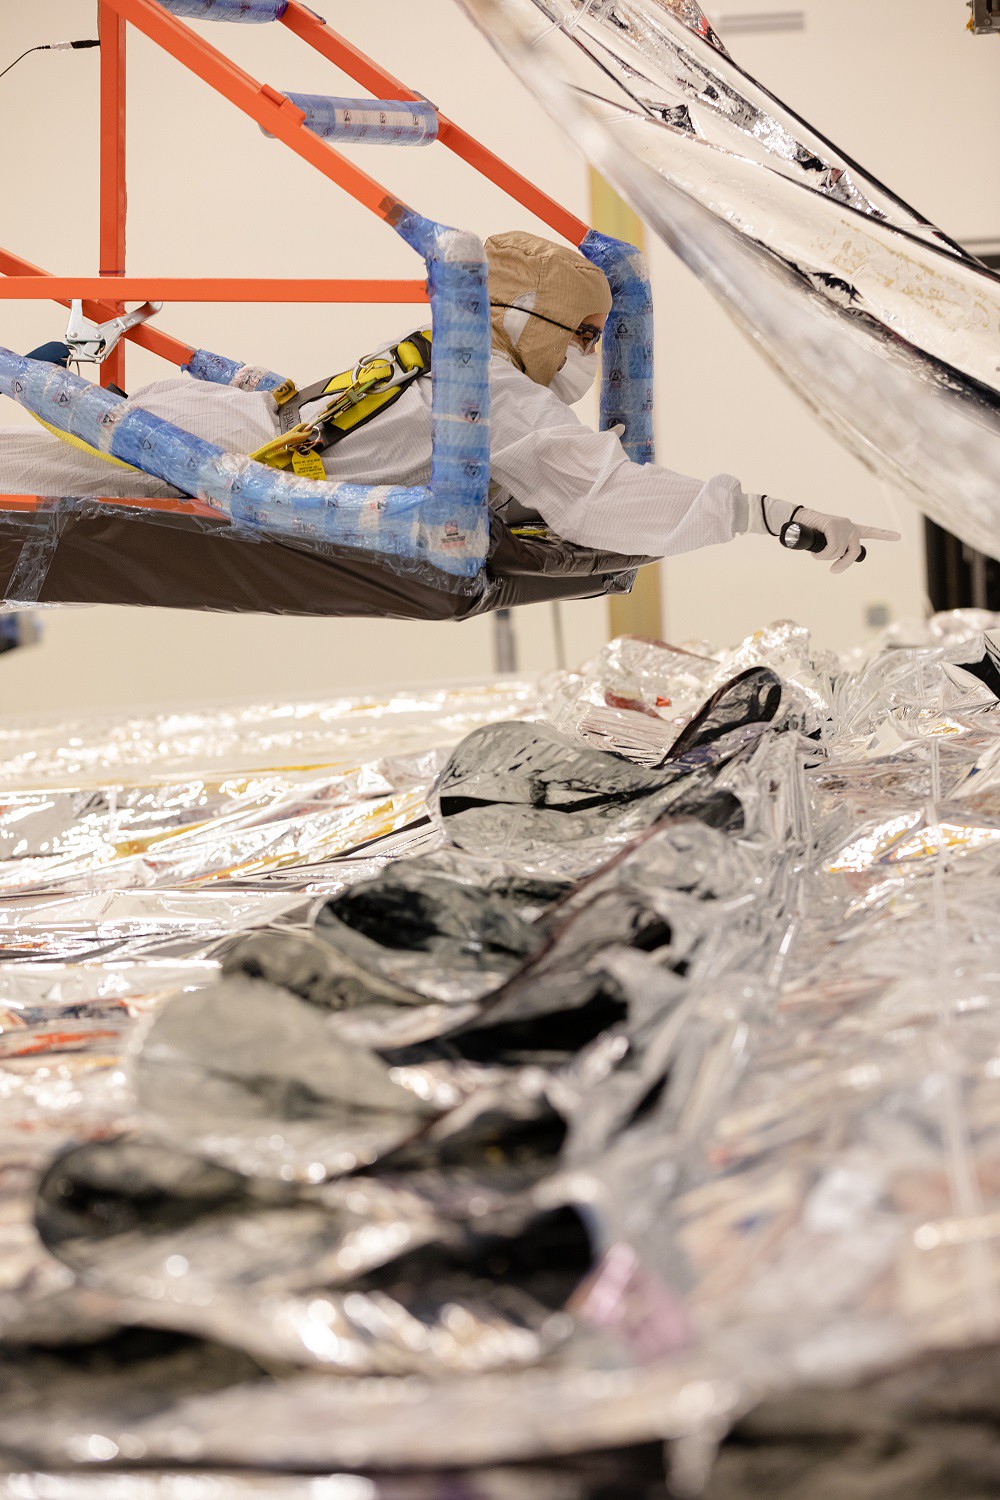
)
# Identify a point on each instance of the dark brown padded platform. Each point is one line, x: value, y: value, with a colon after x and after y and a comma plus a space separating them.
x: 94, y: 552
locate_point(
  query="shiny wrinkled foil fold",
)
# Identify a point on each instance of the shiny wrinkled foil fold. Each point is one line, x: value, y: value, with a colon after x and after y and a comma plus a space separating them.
x: 342, y: 1201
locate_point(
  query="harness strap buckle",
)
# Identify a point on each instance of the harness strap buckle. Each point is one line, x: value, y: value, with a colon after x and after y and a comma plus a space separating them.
x: 377, y: 378
x: 310, y: 439
x: 398, y: 374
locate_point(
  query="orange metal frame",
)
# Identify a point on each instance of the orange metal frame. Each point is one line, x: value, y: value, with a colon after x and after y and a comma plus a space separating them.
x: 169, y: 504
x: 209, y: 289
x: 104, y: 296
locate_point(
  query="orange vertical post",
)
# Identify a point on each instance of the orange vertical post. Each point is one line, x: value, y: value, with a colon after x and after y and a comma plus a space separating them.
x: 113, y: 193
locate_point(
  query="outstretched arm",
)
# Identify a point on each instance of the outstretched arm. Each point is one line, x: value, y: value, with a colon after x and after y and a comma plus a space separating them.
x: 585, y: 487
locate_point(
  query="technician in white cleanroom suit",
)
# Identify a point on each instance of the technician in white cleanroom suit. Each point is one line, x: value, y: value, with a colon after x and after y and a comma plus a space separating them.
x: 549, y: 307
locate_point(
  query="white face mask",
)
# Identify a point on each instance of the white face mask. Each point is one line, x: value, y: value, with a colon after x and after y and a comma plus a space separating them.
x: 576, y: 377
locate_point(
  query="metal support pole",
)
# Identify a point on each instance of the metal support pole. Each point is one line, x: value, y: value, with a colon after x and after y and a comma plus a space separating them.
x: 558, y: 636
x: 504, y: 644
x: 978, y: 577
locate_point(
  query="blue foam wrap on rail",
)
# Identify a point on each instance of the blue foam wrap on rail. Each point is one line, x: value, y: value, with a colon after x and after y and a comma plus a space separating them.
x: 369, y: 122
x: 460, y: 385
x: 627, y: 345
x: 444, y: 523
x: 227, y: 10
x: 216, y: 368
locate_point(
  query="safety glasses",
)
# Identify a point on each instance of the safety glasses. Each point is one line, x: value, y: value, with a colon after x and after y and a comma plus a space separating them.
x: 589, y: 335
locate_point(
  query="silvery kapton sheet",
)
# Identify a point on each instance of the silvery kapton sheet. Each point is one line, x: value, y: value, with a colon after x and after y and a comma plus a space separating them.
x: 647, y: 1065
x: 880, y: 322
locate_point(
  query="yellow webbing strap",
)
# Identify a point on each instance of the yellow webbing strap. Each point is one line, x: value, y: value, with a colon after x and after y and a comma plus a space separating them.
x: 76, y: 442
x: 353, y: 403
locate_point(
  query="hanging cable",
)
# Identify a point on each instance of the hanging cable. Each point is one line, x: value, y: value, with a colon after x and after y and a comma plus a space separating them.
x: 51, y: 47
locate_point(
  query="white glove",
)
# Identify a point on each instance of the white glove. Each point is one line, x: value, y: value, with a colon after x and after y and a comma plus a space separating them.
x: 843, y: 537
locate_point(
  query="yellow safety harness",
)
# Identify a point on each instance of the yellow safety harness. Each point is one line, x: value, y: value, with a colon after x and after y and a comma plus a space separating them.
x: 357, y: 396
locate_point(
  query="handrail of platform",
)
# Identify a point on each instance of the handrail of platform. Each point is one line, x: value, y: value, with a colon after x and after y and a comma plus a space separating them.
x: 39, y: 286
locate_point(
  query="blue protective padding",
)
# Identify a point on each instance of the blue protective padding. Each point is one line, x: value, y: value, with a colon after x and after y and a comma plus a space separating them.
x: 16, y: 629
x: 627, y: 345
x: 444, y: 523
x: 216, y: 368
x: 371, y: 122
x: 460, y: 384
x: 227, y: 10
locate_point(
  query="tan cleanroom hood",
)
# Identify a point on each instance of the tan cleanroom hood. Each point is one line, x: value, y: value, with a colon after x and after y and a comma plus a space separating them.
x: 566, y: 287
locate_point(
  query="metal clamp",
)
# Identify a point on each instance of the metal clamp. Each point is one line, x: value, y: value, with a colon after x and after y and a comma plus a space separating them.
x: 310, y: 439
x: 91, y: 343
x: 398, y: 375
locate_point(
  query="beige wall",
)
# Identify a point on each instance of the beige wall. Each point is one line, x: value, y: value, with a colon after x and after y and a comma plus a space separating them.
x: 916, y: 101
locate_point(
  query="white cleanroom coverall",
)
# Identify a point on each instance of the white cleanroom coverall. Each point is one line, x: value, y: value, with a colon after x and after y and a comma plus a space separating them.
x: 548, y: 306
x: 544, y: 461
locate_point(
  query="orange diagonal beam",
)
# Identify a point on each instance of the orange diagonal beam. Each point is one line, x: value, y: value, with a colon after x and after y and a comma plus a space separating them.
x: 260, y: 101
x: 153, y: 339
x: 364, y: 70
